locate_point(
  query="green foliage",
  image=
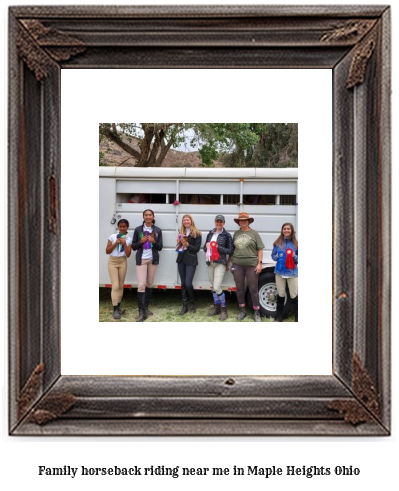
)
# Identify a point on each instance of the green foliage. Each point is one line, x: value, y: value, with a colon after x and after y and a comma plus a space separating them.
x: 277, y: 146
x: 237, y: 144
x: 208, y: 155
x: 101, y: 159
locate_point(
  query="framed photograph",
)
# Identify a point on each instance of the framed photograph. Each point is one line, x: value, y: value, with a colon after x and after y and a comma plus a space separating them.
x: 352, y: 42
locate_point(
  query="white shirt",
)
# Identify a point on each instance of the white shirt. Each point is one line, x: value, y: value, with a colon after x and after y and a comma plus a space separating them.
x: 147, y: 253
x: 113, y: 238
x: 215, y: 237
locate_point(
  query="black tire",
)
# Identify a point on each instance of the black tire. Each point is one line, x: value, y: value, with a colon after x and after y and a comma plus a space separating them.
x: 268, y: 296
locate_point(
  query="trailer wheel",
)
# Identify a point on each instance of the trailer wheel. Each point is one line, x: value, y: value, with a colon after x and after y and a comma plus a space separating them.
x: 268, y: 296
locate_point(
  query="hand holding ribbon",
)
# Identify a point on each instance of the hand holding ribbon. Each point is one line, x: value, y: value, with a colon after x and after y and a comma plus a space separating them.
x: 147, y: 244
x: 280, y: 266
x: 182, y: 243
x: 120, y: 247
x: 208, y: 253
x: 289, y: 262
x: 214, y: 251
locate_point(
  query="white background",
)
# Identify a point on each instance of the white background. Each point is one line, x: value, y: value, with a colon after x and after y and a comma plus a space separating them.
x: 375, y: 457
x: 90, y: 347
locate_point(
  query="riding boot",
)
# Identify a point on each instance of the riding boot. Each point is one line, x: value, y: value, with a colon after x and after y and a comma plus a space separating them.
x: 148, y: 294
x: 223, y: 313
x: 116, y: 314
x: 223, y: 307
x: 294, y: 303
x: 184, y: 309
x: 241, y: 316
x: 190, y: 294
x: 215, y: 310
x: 216, y: 306
x: 121, y: 311
x: 280, y: 309
x: 141, y: 305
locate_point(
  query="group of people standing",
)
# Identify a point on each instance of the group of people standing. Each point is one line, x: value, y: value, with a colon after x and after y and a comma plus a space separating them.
x: 242, y: 254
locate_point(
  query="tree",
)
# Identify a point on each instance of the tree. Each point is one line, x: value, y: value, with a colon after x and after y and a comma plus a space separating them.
x: 149, y: 143
x: 216, y: 139
x: 238, y: 144
x: 154, y: 140
x: 277, y: 146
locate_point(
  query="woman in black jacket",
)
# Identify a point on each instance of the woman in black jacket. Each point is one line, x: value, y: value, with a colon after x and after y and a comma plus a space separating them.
x: 218, y: 245
x: 188, y: 246
x: 147, y: 241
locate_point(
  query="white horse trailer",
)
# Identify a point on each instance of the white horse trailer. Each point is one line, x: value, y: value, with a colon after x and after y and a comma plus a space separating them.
x: 270, y: 196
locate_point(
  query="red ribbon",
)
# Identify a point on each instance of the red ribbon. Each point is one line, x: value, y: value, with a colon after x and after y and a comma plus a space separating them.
x: 214, y: 251
x: 289, y: 261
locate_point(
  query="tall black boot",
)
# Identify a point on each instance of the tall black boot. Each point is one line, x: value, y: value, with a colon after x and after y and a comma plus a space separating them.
x: 280, y: 308
x: 141, y: 304
x: 148, y: 294
x: 294, y: 303
x: 190, y: 294
x: 184, y: 309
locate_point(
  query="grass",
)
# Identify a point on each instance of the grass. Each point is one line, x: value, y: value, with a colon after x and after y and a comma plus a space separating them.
x: 166, y: 304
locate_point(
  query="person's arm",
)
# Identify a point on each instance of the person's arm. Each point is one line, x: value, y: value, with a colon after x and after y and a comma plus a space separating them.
x: 275, y: 253
x: 230, y: 258
x: 111, y: 246
x: 208, y: 239
x: 137, y: 242
x: 296, y: 256
x: 128, y: 247
x: 229, y: 246
x: 157, y: 243
x: 196, y: 246
x: 259, y: 266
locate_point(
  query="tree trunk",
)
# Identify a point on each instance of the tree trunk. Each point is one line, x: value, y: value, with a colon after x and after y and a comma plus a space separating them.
x: 118, y: 141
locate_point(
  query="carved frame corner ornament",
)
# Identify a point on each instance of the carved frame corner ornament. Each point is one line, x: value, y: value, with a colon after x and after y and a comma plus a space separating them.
x: 361, y: 56
x: 351, y: 41
x: 349, y: 31
x: 366, y: 406
x: 38, y: 45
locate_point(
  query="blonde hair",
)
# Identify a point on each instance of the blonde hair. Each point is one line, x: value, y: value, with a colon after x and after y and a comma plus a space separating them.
x: 194, y: 232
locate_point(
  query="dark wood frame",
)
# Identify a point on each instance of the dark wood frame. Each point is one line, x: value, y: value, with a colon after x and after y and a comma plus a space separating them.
x: 353, y: 41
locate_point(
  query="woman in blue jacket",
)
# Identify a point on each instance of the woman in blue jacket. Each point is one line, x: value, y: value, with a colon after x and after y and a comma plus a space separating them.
x: 285, y: 252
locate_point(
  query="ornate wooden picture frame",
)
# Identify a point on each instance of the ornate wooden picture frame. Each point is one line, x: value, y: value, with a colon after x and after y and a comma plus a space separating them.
x: 352, y: 41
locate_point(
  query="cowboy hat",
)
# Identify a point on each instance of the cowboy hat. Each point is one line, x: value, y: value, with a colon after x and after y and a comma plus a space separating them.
x: 243, y: 216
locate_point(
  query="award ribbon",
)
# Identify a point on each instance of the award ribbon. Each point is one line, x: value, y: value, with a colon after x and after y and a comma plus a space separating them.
x: 280, y: 266
x: 214, y: 251
x: 120, y: 247
x: 289, y: 262
x: 147, y: 244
